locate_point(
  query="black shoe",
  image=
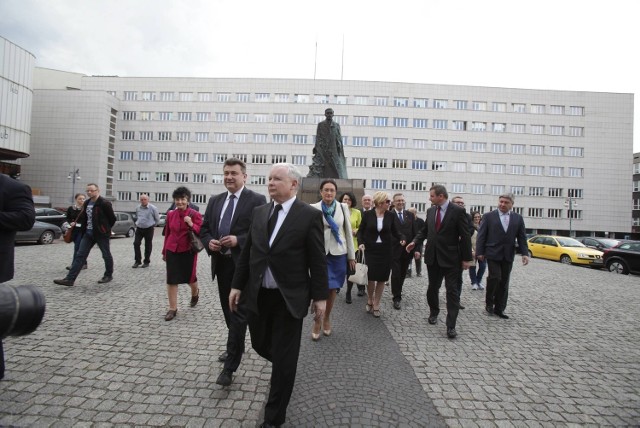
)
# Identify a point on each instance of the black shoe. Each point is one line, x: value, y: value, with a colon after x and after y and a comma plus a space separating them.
x: 145, y: 265
x: 396, y: 304
x: 408, y: 275
x: 348, y: 298
x: 85, y: 266
x: 460, y: 306
x: 419, y: 275
x: 360, y: 290
x: 268, y: 425
x: 136, y: 265
x: 223, y: 357
x: 451, y: 333
x: 502, y: 315
x: 433, y: 319
x: 105, y: 279
x: 489, y: 309
x: 68, y: 268
x: 224, y: 378
x: 64, y: 281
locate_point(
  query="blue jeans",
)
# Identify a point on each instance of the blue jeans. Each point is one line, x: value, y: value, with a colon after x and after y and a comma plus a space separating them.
x: 476, y: 276
x: 87, y: 242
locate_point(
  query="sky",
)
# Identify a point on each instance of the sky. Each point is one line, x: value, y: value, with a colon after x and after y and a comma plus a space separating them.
x: 581, y: 45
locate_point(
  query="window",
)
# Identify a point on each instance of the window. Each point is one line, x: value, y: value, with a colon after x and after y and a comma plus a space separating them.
x: 556, y: 130
x: 217, y: 178
x: 164, y: 136
x: 537, y: 108
x: 537, y: 150
x: 299, y: 160
x: 299, y: 118
x: 301, y: 98
x: 262, y: 97
x: 438, y: 166
x: 182, y: 157
x: 282, y: 98
x: 459, y: 146
x: 517, y: 190
x: 199, y: 198
x: 399, y: 163
x: 259, y: 159
x: 400, y: 122
x: 128, y: 135
x: 457, y: 188
x: 166, y: 96
x: 555, y: 192
x: 498, y: 168
x: 459, y: 166
x: 380, y: 101
x: 165, y: 115
x: 478, y: 147
x: 576, y: 131
x: 400, y: 143
x: 517, y: 149
x: 576, y: 111
x: 419, y: 164
x: 186, y: 96
x: 145, y: 156
x: 280, y: 118
x: 419, y: 206
x: 124, y: 176
x: 497, y: 189
x: 206, y: 97
x: 636, y: 168
x: 359, y: 162
x: 536, y: 170
x: 241, y: 156
x: 420, y: 102
x: 536, y: 191
x: 380, y: 121
x: 240, y: 138
x: 278, y: 158
x: 477, y: 189
x: 379, y: 141
x: 260, y: 138
x: 279, y: 138
x: 162, y: 176
x: 535, y: 212
x: 360, y: 120
x: 519, y: 108
x: 146, y: 115
x: 379, y: 163
x: 518, y: 128
x: 124, y: 196
x: 537, y: 129
x: 161, y: 197
x: 460, y: 125
x: 499, y: 127
x: 128, y: 115
x: 181, y: 177
x: 439, y: 145
x: 419, y: 144
x: 554, y: 213
x: 130, y: 96
x: 556, y: 171
x: 359, y: 141
x: 378, y: 184
x: 183, y: 136
x: 479, y: 126
x: 419, y: 186
x: 126, y: 155
x: 259, y: 180
x: 163, y: 156
x: 146, y: 135
x: 200, y: 157
x: 517, y: 169
x: 184, y: 116
x: 576, y: 151
x: 242, y: 97
x: 317, y: 118
x: 398, y: 185
x: 576, y: 172
x: 439, y: 103
x: 461, y: 104
x: 499, y: 148
x: 479, y: 168
x: 202, y: 137
x: 577, y: 193
x: 574, y: 214
x: 401, y: 102
x: 636, y: 204
x: 144, y: 176
x: 242, y: 117
x: 479, y: 105
x: 220, y: 158
x: 299, y: 139
x: 203, y: 116
x: 261, y: 118
x: 222, y: 117
x: 556, y: 109
x: 321, y: 99
x: 439, y: 124
x: 501, y: 107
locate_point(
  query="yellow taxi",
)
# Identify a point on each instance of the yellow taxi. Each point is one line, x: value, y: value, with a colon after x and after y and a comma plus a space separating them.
x: 565, y: 250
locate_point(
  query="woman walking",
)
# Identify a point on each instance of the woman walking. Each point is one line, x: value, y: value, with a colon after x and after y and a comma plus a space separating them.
x: 73, y: 212
x: 355, y: 218
x: 476, y: 275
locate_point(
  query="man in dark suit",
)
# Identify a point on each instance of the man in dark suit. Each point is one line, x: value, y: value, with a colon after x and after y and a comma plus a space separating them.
x: 497, y: 235
x: 281, y: 269
x: 223, y: 233
x: 16, y: 213
x: 401, y: 259
x: 448, y: 250
x: 418, y: 248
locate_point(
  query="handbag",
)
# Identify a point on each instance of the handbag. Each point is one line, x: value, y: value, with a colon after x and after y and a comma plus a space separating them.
x: 68, y: 234
x: 360, y: 276
x: 196, y: 243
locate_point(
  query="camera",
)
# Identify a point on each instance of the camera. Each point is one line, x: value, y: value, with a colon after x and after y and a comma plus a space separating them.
x: 21, y: 309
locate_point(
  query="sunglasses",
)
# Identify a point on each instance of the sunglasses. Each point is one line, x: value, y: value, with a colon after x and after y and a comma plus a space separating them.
x: 388, y: 201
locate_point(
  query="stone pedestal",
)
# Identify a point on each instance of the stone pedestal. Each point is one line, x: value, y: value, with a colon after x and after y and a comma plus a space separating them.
x: 309, y: 190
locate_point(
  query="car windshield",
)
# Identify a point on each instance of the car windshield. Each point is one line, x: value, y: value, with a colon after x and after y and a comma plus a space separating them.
x: 608, y: 243
x: 569, y: 242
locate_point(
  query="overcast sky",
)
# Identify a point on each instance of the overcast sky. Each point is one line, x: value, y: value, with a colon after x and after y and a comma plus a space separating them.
x: 583, y: 45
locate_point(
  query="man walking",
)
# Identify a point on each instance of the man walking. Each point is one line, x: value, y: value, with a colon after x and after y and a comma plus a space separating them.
x: 146, y: 221
x: 223, y: 233
x: 281, y: 269
x: 401, y: 258
x: 498, y: 232
x: 447, y: 252
x: 367, y: 203
x: 97, y: 219
x: 418, y: 248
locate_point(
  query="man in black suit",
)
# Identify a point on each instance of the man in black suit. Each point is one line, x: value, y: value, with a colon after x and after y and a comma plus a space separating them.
x: 281, y: 269
x: 400, y: 258
x: 418, y: 248
x: 223, y: 233
x: 497, y: 235
x: 448, y: 250
x: 16, y: 213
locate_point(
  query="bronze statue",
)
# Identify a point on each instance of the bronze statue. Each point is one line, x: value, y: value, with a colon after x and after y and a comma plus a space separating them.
x: 328, y: 153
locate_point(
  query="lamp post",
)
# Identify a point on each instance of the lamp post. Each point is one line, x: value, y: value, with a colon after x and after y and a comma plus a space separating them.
x: 571, y: 205
x: 73, y: 176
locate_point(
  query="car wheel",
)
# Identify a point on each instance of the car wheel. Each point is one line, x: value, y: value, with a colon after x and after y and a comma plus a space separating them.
x: 618, y: 266
x: 46, y: 237
x: 565, y: 259
x: 131, y: 232
x: 530, y: 254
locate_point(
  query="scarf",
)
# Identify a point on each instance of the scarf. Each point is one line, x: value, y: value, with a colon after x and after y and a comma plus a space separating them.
x: 328, y: 213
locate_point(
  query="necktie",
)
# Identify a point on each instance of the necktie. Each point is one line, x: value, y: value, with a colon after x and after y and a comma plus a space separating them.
x: 225, y: 222
x: 505, y: 221
x: 273, y: 220
x: 438, y: 220
x: 400, y: 217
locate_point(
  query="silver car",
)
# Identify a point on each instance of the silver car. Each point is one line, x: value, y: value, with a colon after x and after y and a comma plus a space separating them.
x: 124, y: 225
x: 41, y: 232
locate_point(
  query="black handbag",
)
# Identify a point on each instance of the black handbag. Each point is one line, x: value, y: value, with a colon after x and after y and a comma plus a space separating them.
x: 196, y: 243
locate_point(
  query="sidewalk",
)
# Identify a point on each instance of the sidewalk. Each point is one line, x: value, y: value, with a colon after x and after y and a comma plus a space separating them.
x: 570, y: 354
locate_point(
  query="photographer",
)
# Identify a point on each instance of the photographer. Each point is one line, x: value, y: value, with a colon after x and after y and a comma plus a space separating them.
x: 16, y: 213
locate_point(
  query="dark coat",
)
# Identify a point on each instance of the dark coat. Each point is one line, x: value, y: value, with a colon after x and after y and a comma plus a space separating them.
x: 368, y: 230
x: 408, y: 228
x: 102, y: 217
x: 496, y: 244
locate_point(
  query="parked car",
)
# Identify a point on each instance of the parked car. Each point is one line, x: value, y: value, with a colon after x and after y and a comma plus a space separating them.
x: 566, y: 250
x: 163, y: 220
x: 49, y: 215
x: 124, y: 225
x: 623, y: 258
x: 41, y: 232
x: 598, y: 243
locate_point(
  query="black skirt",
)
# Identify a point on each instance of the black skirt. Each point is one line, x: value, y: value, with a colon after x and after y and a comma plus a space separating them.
x: 378, y: 259
x: 181, y: 267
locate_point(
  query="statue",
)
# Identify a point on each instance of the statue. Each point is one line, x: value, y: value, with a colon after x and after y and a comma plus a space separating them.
x: 328, y: 153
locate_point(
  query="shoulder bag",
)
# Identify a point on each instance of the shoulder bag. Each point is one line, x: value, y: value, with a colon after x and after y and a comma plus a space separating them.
x: 68, y: 235
x: 360, y: 276
x: 196, y: 243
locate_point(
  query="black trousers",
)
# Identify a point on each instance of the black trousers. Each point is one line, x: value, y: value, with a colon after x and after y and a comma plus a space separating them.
x: 399, y: 266
x: 498, y: 284
x: 275, y: 335
x: 147, y: 234
x: 1, y: 360
x: 236, y: 321
x: 451, y: 277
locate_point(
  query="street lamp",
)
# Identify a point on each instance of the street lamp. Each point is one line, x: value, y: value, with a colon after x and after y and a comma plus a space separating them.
x: 73, y: 176
x: 571, y: 205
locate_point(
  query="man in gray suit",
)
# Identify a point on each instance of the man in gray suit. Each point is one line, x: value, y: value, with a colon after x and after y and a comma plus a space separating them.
x: 447, y: 252
x: 281, y: 269
x: 497, y: 235
x: 225, y: 225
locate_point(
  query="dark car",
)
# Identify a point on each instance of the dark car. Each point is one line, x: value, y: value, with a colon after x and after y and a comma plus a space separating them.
x: 42, y: 233
x: 598, y: 243
x: 623, y: 258
x: 49, y: 215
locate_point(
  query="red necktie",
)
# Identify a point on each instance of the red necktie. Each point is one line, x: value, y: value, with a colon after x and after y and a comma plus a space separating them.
x: 438, y: 221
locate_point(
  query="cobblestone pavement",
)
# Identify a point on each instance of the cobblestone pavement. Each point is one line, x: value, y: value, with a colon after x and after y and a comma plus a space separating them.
x: 103, y: 356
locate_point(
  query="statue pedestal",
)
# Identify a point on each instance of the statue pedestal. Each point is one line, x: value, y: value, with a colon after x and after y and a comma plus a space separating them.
x: 309, y: 190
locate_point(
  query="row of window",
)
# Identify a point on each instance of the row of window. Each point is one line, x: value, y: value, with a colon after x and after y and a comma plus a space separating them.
x: 381, y: 101
x: 213, y: 157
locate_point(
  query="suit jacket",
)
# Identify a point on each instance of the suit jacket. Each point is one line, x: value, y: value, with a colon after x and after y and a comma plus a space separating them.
x: 240, y: 221
x: 496, y: 244
x: 16, y: 213
x: 368, y: 231
x: 449, y: 246
x: 296, y: 259
x: 420, y: 226
x: 331, y: 246
x: 408, y: 227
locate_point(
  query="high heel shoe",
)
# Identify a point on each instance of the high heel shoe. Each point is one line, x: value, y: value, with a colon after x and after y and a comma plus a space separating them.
x: 326, y: 331
x: 170, y: 315
x: 315, y: 332
x: 194, y: 299
x: 369, y: 307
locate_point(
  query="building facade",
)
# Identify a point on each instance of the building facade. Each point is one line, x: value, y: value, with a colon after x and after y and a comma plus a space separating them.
x: 636, y: 197
x: 564, y: 154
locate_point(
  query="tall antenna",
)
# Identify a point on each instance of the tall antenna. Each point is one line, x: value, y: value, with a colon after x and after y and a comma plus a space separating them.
x: 315, y: 63
x: 342, y: 65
